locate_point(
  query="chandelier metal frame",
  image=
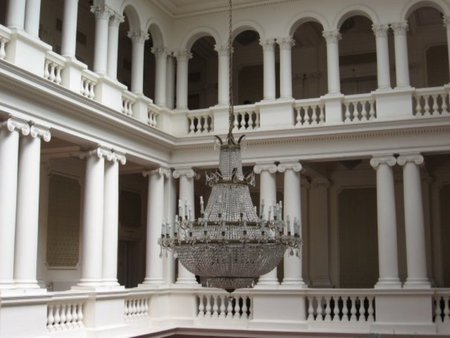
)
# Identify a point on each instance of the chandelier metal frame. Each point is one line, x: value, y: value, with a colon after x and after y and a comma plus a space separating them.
x: 230, y: 246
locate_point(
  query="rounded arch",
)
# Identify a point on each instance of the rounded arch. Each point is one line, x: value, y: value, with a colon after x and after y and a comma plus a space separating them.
x: 156, y: 34
x: 132, y: 14
x: 196, y: 34
x: 305, y: 17
x: 355, y: 10
x: 416, y: 4
x: 242, y: 26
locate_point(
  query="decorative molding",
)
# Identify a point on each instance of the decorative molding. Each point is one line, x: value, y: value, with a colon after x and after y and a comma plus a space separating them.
x: 100, y: 152
x: 286, y: 43
x: 40, y: 131
x: 222, y: 50
x: 116, y: 19
x: 269, y: 167
x: 400, y: 28
x: 389, y: 160
x: 102, y: 12
x: 160, y: 52
x: 138, y: 37
x: 117, y: 157
x: 183, y: 55
x: 410, y: 158
x: 166, y: 172
x: 188, y: 172
x: 332, y: 36
x: 15, y: 124
x: 268, y: 45
x: 380, y: 31
x: 294, y: 166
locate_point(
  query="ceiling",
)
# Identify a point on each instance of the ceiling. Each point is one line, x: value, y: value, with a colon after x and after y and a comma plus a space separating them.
x: 180, y: 8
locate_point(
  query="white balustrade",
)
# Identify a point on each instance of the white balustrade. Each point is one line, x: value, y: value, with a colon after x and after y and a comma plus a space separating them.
x: 4, y: 39
x: 53, y: 67
x: 224, y: 306
x: 441, y: 307
x: 127, y: 104
x: 309, y: 112
x: 358, y: 108
x: 431, y: 102
x: 340, y: 306
x: 152, y: 113
x: 200, y: 121
x: 137, y: 307
x: 88, y: 82
x: 246, y: 118
x: 65, y: 315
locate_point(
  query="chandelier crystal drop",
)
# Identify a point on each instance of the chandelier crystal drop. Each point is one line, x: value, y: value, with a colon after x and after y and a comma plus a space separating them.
x: 230, y: 246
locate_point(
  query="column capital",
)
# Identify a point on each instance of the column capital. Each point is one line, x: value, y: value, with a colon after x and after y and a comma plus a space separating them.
x: 15, y: 124
x: 102, y: 12
x: 267, y: 44
x: 41, y: 132
x: 286, y: 43
x: 446, y: 21
x: 380, y: 31
x: 410, y: 158
x: 100, y: 152
x: 166, y: 172
x: 269, y: 167
x: 400, y: 28
x: 222, y: 50
x: 188, y: 172
x: 332, y: 36
x: 160, y: 52
x: 138, y: 36
x: 376, y: 161
x: 116, y: 19
x: 294, y: 166
x: 114, y: 156
x: 183, y: 55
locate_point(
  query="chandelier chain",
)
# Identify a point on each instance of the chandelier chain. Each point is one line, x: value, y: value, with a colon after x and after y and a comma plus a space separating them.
x: 230, y: 69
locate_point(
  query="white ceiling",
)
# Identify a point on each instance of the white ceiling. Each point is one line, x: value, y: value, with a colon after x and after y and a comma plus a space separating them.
x: 180, y: 8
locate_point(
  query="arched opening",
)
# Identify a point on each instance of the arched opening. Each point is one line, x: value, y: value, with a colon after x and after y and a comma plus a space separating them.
x: 427, y: 48
x: 357, y: 56
x: 51, y: 23
x: 124, y: 57
x: 85, y: 34
x: 309, y: 61
x: 149, y: 68
x: 203, y: 73
x: 248, y: 68
x: 3, y: 7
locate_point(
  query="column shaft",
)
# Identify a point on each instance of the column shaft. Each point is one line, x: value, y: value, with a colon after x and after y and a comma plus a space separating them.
x: 170, y: 82
x: 32, y: 16
x: 383, y: 67
x: 92, y: 220
x: 15, y: 18
x: 223, y: 75
x: 9, y: 150
x: 182, y: 79
x: 69, y: 29
x: 286, y: 67
x: 447, y: 25
x: 137, y: 66
x: 27, y: 217
x: 401, y: 54
x: 269, y: 69
x: 334, y: 83
x: 170, y: 204
x: 387, y: 223
x: 113, y: 44
x: 102, y: 15
x: 414, y: 222
x: 160, y: 76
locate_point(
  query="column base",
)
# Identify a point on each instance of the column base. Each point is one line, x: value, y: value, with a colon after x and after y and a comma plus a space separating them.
x: 186, y: 281
x: 26, y: 284
x: 293, y: 284
x: 151, y: 282
x: 388, y: 283
x: 417, y: 283
x: 88, y: 284
x: 22, y: 292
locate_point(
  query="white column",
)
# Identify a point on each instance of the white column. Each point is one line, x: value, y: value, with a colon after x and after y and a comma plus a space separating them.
x: 293, y: 214
x: 383, y: 67
x: 155, y: 215
x: 269, y: 68
x: 186, y: 193
x: 447, y: 25
x: 267, y: 196
x: 111, y: 218
x: 113, y: 44
x: 102, y: 14
x: 92, y: 219
x: 387, y: 223
x: 286, y: 45
x: 416, y: 261
x: 223, y: 75
x: 160, y: 75
x: 69, y: 28
x: 137, y: 65
x: 15, y: 17
x: 170, y: 205
x: 334, y: 83
x: 9, y: 154
x: 27, y: 216
x: 182, y: 79
x: 170, y: 82
x: 32, y: 17
x: 401, y: 54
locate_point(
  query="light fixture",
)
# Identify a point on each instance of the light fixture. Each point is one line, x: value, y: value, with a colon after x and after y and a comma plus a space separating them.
x: 230, y: 246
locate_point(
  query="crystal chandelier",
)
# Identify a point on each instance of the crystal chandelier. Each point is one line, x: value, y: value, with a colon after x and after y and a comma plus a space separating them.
x: 230, y: 246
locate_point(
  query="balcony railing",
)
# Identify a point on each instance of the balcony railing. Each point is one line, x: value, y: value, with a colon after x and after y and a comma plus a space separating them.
x: 358, y: 108
x: 4, y: 39
x: 65, y: 312
x: 431, y: 102
x: 222, y: 305
x: 309, y: 112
